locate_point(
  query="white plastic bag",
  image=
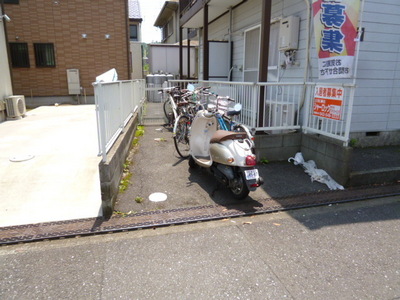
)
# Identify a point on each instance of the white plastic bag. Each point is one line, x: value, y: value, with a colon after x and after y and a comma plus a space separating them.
x: 319, y: 175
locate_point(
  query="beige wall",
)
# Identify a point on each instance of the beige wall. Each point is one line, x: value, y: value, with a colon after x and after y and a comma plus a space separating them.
x: 5, y: 78
x: 136, y: 60
x: 63, y: 23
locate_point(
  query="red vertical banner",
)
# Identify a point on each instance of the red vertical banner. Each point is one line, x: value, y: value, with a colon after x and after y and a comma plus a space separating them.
x: 335, y: 28
x: 328, y: 102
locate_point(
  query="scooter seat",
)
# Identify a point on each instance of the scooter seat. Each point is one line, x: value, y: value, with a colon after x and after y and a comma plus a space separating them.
x: 224, y: 135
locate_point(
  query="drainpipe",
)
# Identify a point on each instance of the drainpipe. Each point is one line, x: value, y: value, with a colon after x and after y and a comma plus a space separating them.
x: 307, y: 64
x: 205, y: 44
x: 360, y: 20
x: 230, y: 42
x: 264, y: 50
x: 305, y: 78
x: 180, y: 53
x: 188, y: 54
x: 7, y: 47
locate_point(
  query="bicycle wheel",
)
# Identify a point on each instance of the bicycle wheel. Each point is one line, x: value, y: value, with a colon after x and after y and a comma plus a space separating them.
x: 169, y: 112
x: 181, y: 136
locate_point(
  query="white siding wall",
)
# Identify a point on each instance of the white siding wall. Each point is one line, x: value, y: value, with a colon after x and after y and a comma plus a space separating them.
x: 377, y: 101
x: 248, y: 15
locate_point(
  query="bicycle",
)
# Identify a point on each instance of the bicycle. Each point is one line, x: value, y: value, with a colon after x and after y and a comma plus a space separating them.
x: 188, y: 106
x: 170, y: 105
x: 226, y: 117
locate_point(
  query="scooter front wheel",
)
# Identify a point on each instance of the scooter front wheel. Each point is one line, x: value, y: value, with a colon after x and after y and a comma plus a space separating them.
x: 239, y: 188
x: 192, y: 163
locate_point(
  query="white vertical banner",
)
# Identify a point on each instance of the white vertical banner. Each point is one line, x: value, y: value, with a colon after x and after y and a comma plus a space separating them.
x: 335, y: 25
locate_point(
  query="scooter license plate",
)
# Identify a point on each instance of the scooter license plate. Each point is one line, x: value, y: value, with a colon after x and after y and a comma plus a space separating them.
x: 251, y: 174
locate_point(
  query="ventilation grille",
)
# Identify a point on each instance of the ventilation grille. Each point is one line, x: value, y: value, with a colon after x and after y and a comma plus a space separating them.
x: 15, y: 106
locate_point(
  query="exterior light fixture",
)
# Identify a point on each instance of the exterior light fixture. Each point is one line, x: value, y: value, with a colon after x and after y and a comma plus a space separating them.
x: 5, y: 17
x: 107, y: 36
x: 84, y: 35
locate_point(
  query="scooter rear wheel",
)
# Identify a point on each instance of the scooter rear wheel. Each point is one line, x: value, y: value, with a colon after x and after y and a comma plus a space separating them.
x: 239, y: 188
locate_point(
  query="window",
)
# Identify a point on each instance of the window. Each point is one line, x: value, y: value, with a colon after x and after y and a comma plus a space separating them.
x: 168, y: 29
x: 44, y: 55
x: 11, y: 1
x: 19, y: 55
x: 251, y: 54
x: 274, y: 54
x: 133, y: 32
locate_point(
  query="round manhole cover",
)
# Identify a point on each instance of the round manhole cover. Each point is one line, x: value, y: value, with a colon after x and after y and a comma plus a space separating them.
x: 18, y: 158
x: 158, y: 197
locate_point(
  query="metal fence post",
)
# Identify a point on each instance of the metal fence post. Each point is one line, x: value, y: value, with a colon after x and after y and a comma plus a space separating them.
x: 101, y: 121
x: 349, y: 113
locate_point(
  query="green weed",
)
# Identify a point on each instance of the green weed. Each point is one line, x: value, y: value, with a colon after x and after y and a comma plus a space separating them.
x: 139, y: 199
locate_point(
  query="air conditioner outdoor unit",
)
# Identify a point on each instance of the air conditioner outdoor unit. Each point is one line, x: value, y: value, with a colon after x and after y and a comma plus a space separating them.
x: 15, y: 106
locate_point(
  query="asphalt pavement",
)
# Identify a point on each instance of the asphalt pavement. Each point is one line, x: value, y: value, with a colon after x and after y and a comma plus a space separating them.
x: 156, y: 167
x: 341, y: 251
x: 334, y: 251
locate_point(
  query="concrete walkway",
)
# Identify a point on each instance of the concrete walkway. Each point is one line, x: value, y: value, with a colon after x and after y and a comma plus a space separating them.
x: 49, y: 166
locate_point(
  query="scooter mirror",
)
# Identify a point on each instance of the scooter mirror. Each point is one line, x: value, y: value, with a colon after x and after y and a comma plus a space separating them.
x: 190, y: 87
x: 237, y: 107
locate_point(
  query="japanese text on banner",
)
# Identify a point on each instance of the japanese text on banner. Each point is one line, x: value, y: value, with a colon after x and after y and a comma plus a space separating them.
x: 335, y: 23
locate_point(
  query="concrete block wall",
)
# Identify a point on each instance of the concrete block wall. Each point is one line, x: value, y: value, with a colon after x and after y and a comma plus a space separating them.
x: 332, y: 157
x: 277, y: 147
x: 328, y: 155
x: 375, y: 139
x: 111, y: 170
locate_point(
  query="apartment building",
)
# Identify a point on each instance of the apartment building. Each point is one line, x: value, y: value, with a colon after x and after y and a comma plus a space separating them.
x: 58, y: 47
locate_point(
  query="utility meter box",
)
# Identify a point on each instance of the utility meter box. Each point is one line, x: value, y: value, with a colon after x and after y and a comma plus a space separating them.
x: 289, y: 33
x: 74, y: 85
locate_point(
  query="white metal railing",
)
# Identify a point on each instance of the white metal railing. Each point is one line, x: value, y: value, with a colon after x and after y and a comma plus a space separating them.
x: 337, y: 129
x: 152, y: 92
x: 287, y: 106
x: 282, y: 104
x: 116, y: 102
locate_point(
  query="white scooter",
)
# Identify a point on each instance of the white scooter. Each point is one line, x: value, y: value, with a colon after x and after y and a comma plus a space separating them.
x: 227, y: 154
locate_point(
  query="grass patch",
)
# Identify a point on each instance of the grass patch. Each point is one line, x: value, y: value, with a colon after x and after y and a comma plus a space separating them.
x: 139, y: 132
x: 139, y: 199
x: 126, y: 173
x: 122, y: 214
x: 125, y: 182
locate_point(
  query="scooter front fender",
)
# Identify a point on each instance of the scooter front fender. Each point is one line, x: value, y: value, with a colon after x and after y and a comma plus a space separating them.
x: 202, y: 129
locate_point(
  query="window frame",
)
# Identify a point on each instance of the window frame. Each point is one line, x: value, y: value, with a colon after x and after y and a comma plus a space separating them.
x: 19, y: 55
x: 11, y: 1
x: 136, y: 38
x: 44, y: 55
